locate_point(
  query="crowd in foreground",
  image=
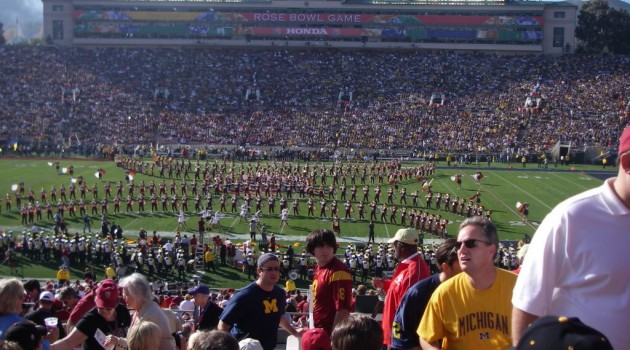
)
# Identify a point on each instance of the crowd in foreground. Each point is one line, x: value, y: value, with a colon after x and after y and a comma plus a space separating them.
x: 131, y: 314
x: 92, y: 98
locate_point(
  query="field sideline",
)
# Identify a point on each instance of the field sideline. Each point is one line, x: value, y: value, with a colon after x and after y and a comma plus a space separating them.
x: 501, y: 187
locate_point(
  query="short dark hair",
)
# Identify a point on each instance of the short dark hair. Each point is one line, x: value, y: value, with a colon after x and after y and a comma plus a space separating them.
x: 31, y: 285
x: 67, y: 292
x: 320, y: 238
x: 357, y: 332
x: 447, y: 252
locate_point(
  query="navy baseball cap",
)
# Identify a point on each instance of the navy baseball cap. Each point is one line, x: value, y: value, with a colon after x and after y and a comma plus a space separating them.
x: 200, y: 288
x: 559, y: 332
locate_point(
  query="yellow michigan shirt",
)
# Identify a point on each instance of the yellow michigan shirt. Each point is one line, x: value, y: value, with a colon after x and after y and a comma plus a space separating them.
x: 466, y: 318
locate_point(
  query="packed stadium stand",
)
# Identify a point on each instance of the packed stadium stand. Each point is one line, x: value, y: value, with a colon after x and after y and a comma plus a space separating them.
x: 54, y: 96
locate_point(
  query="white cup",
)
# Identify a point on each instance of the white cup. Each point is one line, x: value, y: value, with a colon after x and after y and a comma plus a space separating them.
x: 51, y: 321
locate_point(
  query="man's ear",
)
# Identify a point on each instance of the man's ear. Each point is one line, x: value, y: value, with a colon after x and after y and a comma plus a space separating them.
x: 625, y: 162
x: 495, y: 253
x: 444, y: 267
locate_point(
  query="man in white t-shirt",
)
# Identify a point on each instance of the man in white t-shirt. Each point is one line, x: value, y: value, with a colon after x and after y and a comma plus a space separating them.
x: 574, y: 264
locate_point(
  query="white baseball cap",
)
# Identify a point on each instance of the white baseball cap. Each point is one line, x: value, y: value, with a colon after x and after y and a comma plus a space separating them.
x: 406, y: 235
x: 47, y: 296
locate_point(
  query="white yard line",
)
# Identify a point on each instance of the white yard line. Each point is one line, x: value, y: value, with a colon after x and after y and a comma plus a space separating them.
x: 524, y: 191
x: 509, y: 207
x: 445, y: 183
x: 233, y: 223
x: 547, y: 187
x: 574, y: 183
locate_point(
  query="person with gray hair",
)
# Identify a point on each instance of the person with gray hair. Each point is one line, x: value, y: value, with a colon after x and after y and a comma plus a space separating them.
x: 212, y: 340
x: 472, y: 310
x: 139, y: 296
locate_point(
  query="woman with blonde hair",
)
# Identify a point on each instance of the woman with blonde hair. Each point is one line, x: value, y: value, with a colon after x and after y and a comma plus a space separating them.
x: 144, y: 335
x: 11, y: 295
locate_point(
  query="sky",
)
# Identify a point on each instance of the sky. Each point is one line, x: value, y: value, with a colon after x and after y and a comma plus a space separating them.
x: 25, y: 10
x: 29, y: 14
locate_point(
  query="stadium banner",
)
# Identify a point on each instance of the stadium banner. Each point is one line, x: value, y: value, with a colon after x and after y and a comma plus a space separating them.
x: 398, y: 19
x: 484, y: 20
x: 323, y: 18
x: 199, y: 29
x: 315, y: 32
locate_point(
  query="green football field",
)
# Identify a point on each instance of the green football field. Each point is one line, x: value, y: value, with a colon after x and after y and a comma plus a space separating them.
x: 501, y: 188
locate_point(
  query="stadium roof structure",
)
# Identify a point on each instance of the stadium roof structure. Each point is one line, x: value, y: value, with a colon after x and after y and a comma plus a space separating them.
x: 176, y: 1
x: 364, y: 2
x: 427, y: 2
x: 460, y: 2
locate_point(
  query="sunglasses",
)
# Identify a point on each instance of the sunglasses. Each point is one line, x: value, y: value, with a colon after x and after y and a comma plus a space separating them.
x: 398, y: 244
x: 470, y: 243
x: 105, y: 308
x: 270, y: 269
x: 452, y: 255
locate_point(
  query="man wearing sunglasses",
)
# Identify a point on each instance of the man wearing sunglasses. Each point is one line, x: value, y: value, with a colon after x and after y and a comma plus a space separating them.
x: 473, y: 309
x: 575, y: 262
x: 257, y: 310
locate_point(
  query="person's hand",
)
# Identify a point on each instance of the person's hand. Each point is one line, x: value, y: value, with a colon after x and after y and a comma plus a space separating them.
x: 111, y: 339
x: 300, y: 331
x: 53, y: 334
x: 377, y: 283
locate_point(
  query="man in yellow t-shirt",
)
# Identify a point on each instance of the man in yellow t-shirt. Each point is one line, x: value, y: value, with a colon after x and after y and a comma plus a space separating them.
x: 63, y: 275
x: 110, y: 272
x: 472, y: 310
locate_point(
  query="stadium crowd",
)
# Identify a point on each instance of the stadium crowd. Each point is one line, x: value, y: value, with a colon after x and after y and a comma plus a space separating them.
x: 140, y: 96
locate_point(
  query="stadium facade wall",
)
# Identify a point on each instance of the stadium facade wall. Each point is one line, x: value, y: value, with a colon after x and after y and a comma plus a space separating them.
x: 459, y: 25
